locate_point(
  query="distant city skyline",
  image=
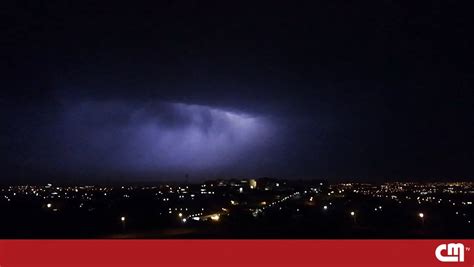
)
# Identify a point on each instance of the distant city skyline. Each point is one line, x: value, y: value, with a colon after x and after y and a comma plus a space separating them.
x: 241, y: 208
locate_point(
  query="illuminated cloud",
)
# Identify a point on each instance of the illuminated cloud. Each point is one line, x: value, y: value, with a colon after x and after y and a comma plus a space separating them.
x: 161, y: 137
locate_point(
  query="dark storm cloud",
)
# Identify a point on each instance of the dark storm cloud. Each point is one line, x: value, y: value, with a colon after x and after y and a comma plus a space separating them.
x: 160, y: 137
x: 304, y: 89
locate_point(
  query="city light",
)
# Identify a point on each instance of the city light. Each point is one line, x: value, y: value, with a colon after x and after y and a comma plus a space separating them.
x: 422, y: 217
x: 253, y: 183
x: 259, y: 203
x: 353, y: 214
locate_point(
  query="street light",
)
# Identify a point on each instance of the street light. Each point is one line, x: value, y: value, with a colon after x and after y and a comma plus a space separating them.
x: 49, y: 205
x: 422, y: 217
x: 325, y: 207
x: 122, y: 220
x: 353, y: 214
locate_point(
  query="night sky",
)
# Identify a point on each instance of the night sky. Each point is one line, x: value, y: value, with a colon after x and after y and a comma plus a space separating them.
x: 351, y: 90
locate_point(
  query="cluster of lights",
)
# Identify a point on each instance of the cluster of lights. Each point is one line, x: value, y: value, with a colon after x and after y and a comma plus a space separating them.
x: 272, y: 204
x: 419, y: 193
x: 403, y: 192
x: 50, y: 192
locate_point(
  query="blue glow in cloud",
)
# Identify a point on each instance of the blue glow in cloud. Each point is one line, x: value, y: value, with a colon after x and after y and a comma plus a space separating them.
x: 161, y: 137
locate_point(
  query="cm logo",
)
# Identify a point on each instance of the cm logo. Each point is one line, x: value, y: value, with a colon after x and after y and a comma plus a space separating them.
x: 454, y: 252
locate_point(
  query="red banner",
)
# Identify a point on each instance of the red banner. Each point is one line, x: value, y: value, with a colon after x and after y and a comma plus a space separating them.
x: 236, y: 253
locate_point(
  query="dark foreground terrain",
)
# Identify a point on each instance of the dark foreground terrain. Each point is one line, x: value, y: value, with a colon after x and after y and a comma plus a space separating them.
x: 266, y: 208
